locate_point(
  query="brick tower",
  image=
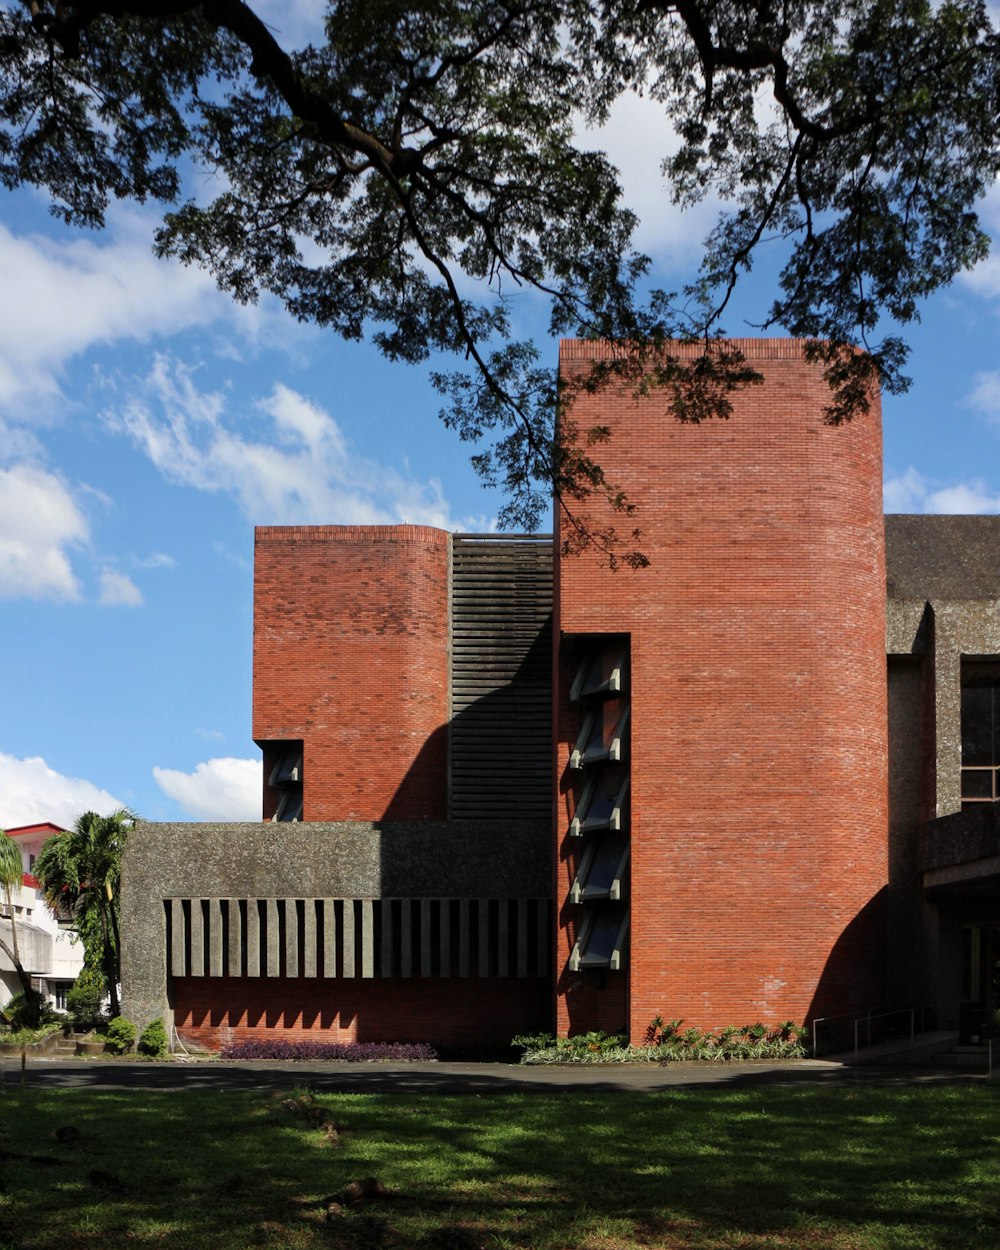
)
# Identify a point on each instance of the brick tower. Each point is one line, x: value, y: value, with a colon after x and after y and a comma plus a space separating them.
x: 721, y: 763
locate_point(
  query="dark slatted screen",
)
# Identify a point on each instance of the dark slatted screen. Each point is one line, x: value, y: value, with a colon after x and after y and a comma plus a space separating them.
x: 501, y: 676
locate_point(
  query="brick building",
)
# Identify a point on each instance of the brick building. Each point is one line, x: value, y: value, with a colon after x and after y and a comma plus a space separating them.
x: 507, y: 789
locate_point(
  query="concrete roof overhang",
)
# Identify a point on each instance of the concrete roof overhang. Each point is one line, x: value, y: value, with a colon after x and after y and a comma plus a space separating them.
x: 960, y: 853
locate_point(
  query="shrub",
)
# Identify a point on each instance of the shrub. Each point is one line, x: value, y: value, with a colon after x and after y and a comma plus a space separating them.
x: 352, y: 1052
x: 17, y: 1013
x: 85, y: 1001
x: 28, y: 1037
x: 121, y: 1036
x: 153, y: 1040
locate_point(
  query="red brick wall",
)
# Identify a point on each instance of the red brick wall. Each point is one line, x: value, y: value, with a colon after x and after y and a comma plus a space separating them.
x: 211, y: 1011
x: 758, y: 699
x: 351, y: 655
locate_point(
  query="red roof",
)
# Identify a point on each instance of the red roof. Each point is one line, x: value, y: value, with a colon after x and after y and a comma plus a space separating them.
x: 23, y: 830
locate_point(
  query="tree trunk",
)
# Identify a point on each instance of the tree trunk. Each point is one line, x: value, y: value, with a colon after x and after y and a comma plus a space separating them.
x: 113, y: 912
x: 109, y: 960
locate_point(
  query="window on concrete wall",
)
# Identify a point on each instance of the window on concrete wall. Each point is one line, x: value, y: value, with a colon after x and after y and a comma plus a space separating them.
x: 980, y: 731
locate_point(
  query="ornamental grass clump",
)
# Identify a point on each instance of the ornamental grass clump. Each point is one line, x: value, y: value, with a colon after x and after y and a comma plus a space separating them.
x: 351, y: 1052
x: 593, y: 1047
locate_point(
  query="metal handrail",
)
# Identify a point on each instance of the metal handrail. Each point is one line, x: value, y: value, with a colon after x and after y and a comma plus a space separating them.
x: 865, y: 1019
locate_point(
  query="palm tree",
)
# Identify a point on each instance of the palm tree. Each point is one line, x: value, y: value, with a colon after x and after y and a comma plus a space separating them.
x: 11, y: 877
x: 80, y: 870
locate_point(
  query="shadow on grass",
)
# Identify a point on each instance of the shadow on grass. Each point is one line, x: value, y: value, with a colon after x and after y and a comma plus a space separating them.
x: 845, y: 1168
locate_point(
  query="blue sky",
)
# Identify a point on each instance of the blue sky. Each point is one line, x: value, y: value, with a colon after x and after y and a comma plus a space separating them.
x: 147, y: 424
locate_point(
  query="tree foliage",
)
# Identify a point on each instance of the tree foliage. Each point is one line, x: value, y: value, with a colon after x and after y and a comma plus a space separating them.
x: 80, y: 870
x: 401, y: 179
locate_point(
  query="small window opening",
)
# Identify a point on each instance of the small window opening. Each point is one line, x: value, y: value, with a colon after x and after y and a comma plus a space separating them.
x: 285, y: 780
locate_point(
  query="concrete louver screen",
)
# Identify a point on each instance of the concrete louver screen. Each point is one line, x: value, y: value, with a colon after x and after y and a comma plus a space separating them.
x: 366, y: 937
x: 501, y: 676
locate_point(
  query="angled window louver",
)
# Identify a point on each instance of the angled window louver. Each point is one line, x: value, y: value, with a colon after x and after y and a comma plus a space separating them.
x: 602, y: 870
x: 603, y: 803
x: 288, y: 770
x: 602, y: 738
x: 603, y: 673
x: 290, y: 806
x: 602, y: 940
x: 286, y: 780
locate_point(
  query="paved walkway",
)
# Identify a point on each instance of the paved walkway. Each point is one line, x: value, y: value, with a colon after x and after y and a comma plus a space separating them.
x: 453, y: 1078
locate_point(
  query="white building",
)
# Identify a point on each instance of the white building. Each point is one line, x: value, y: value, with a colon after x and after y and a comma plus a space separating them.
x: 50, y: 951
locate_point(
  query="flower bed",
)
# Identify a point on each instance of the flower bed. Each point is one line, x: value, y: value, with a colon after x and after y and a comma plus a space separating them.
x: 351, y: 1052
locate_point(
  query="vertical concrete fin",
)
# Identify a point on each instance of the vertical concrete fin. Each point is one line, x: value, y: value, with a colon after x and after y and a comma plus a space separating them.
x: 197, y: 968
x: 273, y: 938
x: 309, y: 952
x: 347, y: 913
x: 178, y: 935
x: 253, y: 937
x: 216, y: 937
x: 367, y: 937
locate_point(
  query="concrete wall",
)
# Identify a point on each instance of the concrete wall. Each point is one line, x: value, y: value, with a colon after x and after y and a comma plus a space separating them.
x: 943, y: 580
x: 347, y: 860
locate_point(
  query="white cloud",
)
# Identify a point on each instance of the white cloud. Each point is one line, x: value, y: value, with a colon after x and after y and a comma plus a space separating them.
x: 912, y: 492
x: 985, y: 395
x: 117, y: 590
x: 219, y: 789
x: 984, y: 279
x: 31, y: 792
x: 38, y: 521
x: 156, y: 560
x: 638, y: 136
x: 287, y: 462
x: 62, y: 297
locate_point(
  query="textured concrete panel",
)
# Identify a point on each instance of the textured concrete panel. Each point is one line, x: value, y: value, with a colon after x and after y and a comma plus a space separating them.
x: 961, y: 627
x: 961, y: 838
x: 906, y: 627
x: 323, y: 860
x: 942, y: 557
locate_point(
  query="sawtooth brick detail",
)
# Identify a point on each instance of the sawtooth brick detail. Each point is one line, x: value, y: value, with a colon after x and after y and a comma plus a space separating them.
x: 211, y: 1012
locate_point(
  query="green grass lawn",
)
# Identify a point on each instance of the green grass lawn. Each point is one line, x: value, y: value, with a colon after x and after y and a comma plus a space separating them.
x: 838, y: 1169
